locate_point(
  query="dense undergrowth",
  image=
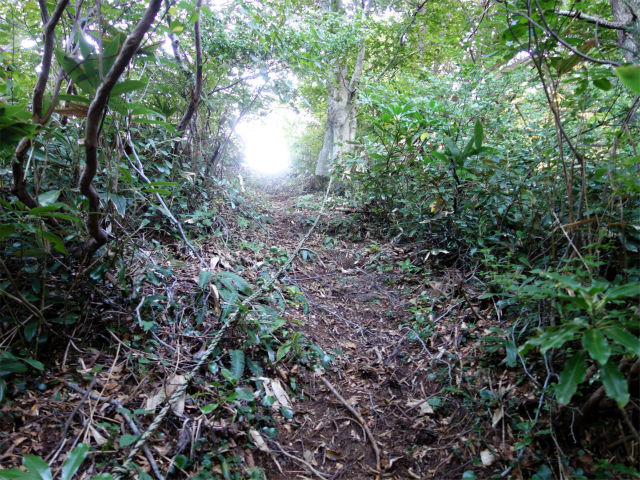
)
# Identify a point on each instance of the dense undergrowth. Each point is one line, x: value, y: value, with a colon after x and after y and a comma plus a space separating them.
x: 511, y: 175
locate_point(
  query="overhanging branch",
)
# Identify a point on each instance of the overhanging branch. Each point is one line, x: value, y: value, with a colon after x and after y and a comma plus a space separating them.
x: 591, y: 19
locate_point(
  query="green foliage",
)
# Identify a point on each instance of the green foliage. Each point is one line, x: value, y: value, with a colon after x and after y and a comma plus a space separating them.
x: 37, y: 469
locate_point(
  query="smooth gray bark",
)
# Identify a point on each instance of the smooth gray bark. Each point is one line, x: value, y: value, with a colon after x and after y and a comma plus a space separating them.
x: 340, y: 130
x: 627, y: 12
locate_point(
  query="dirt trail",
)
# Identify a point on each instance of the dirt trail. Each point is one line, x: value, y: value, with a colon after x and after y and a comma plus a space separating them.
x: 360, y: 293
x: 356, y: 312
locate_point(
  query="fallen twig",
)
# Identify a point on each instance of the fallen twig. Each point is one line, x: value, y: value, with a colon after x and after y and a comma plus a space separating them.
x: 132, y: 426
x: 355, y: 413
x: 70, y: 419
x: 321, y: 475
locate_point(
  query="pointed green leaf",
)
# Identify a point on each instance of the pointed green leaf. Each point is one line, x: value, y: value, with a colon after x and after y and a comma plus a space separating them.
x: 74, y: 460
x: 244, y: 394
x: 58, y: 243
x: 126, y: 439
x: 614, y: 383
x: 602, y: 84
x: 479, y: 134
x: 110, y: 54
x: 17, y: 474
x: 237, y: 363
x: 597, y: 345
x: 48, y: 198
x: 128, y: 86
x: 622, y: 291
x: 38, y: 468
x: 203, y: 279
x: 240, y: 282
x: 6, y: 230
x: 453, y: 148
x: 282, y: 351
x: 624, y: 338
x: 573, y: 374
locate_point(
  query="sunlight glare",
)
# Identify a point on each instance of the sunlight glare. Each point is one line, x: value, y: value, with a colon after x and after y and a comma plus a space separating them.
x: 265, y: 147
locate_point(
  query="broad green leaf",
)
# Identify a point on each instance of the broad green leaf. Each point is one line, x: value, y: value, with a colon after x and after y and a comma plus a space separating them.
x: 37, y: 467
x: 76, y: 70
x: 568, y: 282
x: 74, y: 460
x: 614, y: 383
x: 630, y: 77
x: 48, y: 198
x: 128, y: 86
x: 624, y: 338
x: 573, y: 374
x: 126, y: 439
x: 16, y: 473
x: 512, y: 353
x: 181, y: 461
x: 240, y: 282
x: 102, y: 476
x: 58, y: 243
x: 9, y: 365
x: 204, y: 277
x: 282, y: 351
x: 40, y: 210
x: 74, y: 98
x: 161, y: 191
x: 596, y: 344
x: 110, y: 53
x: 453, y: 148
x: 245, y: 394
x: 33, y: 363
x: 602, y: 84
x: 163, y: 184
x: 209, y: 408
x: 622, y: 291
x: 6, y: 230
x: 552, y: 339
x: 237, y: 363
x: 479, y: 134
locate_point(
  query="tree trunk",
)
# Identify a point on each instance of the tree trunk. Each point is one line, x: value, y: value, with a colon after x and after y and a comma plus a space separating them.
x: 341, y: 125
x: 627, y: 12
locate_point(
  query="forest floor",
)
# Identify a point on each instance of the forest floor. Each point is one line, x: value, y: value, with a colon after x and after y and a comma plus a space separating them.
x: 384, y: 403
x: 359, y: 310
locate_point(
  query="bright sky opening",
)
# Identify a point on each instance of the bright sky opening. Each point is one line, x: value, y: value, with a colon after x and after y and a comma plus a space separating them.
x: 265, y: 147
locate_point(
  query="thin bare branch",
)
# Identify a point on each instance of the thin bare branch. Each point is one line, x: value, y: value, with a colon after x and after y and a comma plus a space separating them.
x: 195, y: 93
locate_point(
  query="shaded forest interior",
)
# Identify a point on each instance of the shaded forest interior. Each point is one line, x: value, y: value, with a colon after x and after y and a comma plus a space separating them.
x: 445, y: 282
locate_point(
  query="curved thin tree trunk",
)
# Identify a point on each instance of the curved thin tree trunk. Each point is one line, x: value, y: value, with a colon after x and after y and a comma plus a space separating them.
x: 19, y: 186
x: 94, y: 119
x: 195, y: 93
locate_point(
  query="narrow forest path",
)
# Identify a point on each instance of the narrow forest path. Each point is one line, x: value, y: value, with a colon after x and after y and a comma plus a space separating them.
x: 359, y: 301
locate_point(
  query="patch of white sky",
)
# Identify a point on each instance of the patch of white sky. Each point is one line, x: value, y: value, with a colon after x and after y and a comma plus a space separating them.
x: 265, y: 147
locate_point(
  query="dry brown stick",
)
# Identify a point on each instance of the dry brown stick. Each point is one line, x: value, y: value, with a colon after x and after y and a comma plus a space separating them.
x: 70, y: 419
x: 304, y: 462
x: 132, y: 426
x: 355, y: 413
x: 628, y: 423
x: 464, y: 294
